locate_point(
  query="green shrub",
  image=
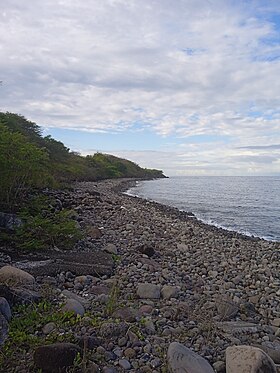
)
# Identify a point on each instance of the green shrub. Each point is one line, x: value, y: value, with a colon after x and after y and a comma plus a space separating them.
x: 44, y: 228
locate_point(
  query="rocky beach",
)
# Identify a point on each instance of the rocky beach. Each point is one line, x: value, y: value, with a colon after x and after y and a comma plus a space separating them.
x: 151, y: 288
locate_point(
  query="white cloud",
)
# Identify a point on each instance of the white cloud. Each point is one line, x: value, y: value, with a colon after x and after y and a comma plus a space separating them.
x: 181, y: 68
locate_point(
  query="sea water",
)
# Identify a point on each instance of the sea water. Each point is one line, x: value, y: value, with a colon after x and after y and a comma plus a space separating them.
x: 249, y: 205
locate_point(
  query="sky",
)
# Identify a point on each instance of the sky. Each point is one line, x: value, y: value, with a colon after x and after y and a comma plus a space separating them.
x: 191, y: 87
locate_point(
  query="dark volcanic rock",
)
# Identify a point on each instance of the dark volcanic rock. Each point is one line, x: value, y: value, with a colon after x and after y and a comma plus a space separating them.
x: 56, y: 357
x: 19, y: 295
x: 146, y: 249
x: 95, y: 262
x: 7, y: 293
x: 5, y: 308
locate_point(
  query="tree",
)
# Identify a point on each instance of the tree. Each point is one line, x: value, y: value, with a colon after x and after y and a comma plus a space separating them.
x: 22, y: 166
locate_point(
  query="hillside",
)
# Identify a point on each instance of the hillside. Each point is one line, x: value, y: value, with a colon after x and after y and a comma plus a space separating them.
x: 30, y: 160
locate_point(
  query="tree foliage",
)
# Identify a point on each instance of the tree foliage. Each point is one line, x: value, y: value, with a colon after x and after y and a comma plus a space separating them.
x: 29, y: 160
x: 22, y: 165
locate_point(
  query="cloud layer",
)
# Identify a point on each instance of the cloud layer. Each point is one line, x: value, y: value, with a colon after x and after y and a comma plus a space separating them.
x: 177, y: 68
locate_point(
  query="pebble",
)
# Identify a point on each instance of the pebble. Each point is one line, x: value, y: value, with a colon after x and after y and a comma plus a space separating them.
x: 124, y: 364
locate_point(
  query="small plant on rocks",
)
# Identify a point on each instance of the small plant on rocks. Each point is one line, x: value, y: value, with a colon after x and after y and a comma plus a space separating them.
x: 112, y: 302
x: 25, y: 330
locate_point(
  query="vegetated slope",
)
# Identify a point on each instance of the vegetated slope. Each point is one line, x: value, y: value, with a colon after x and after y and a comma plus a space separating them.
x: 28, y: 160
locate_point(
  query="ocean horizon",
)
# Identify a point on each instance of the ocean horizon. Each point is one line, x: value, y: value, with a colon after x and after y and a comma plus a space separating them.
x: 249, y: 205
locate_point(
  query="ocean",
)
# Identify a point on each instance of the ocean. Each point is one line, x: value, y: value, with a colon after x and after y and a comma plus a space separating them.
x: 248, y: 205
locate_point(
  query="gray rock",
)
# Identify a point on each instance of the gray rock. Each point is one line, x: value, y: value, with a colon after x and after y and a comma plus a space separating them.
x: 126, y: 314
x: 109, y: 370
x: 168, y: 291
x: 248, y: 359
x: 26, y: 296
x: 56, y: 357
x: 48, y: 328
x: 113, y: 329
x: 89, y: 342
x: 7, y: 293
x: 155, y: 363
x: 92, y: 367
x: 145, y: 309
x: 226, y: 308
x: 183, y: 360
x: 111, y: 249
x: 74, y: 306
x: 148, y: 291
x: 239, y: 327
x: 94, y: 232
x: 83, y: 280
x: 272, y: 349
x: 5, y: 308
x: 49, y: 280
x: 99, y: 289
x: 219, y: 366
x: 102, y: 298
x: 4, y: 329
x: 19, y: 295
x: 276, y: 322
x: 124, y: 364
x: 68, y: 294
x: 14, y: 276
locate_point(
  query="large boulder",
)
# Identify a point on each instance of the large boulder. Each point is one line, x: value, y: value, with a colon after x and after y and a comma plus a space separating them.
x: 248, y: 359
x: 183, y: 360
x: 14, y: 276
x: 56, y: 357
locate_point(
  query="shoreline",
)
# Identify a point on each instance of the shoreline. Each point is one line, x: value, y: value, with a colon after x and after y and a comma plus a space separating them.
x: 190, y: 213
x: 148, y: 275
